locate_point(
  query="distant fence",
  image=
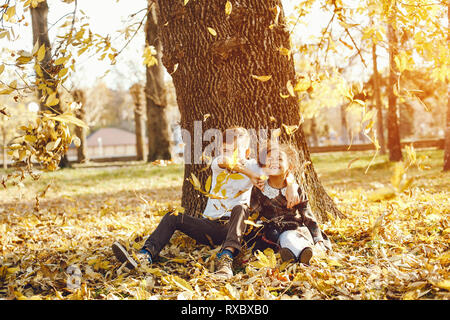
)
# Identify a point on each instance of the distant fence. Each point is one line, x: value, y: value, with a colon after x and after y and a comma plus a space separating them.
x: 420, y: 144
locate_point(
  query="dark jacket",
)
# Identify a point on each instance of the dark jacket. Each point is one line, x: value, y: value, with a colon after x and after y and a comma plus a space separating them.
x: 275, y: 215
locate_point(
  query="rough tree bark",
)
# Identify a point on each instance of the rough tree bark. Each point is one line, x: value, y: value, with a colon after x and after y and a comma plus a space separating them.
x: 395, y: 150
x: 40, y: 35
x: 135, y: 91
x: 378, y: 103
x: 81, y: 132
x: 212, y: 75
x: 155, y: 95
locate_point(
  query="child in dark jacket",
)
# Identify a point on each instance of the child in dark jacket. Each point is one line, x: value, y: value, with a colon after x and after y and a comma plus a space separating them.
x: 293, y: 231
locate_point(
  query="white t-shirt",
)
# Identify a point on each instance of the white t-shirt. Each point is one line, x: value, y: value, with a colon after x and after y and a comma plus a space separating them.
x: 236, y: 191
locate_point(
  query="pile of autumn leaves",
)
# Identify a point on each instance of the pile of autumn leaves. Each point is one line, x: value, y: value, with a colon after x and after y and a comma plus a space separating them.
x: 394, y: 248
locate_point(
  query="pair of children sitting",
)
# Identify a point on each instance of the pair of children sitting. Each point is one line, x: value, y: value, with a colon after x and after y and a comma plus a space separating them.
x: 266, y: 186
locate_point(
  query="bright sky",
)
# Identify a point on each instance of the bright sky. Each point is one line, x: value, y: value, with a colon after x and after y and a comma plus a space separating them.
x: 109, y: 16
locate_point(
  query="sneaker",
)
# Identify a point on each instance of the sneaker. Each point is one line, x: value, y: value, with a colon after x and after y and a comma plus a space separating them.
x: 305, y: 255
x: 123, y: 256
x: 224, y: 267
x: 144, y: 256
x: 287, y: 255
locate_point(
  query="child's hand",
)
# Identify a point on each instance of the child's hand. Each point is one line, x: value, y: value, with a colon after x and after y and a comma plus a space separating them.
x: 258, y: 181
x: 292, y: 196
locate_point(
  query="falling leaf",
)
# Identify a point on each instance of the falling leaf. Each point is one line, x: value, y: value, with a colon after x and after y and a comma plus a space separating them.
x: 262, y: 78
x: 285, y: 52
x: 212, y: 31
x: 290, y: 129
x: 195, y: 181
x: 228, y: 8
x: 290, y: 88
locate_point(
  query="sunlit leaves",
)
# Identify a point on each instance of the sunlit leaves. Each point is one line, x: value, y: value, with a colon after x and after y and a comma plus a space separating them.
x: 69, y: 118
x: 9, y: 14
x: 62, y: 60
x: 52, y: 100
x: 403, y: 61
x: 265, y: 259
x: 149, y: 56
x: 303, y: 84
x: 41, y: 53
x: 46, y: 140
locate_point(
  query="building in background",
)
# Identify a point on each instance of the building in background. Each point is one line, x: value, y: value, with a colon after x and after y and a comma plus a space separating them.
x: 108, y: 143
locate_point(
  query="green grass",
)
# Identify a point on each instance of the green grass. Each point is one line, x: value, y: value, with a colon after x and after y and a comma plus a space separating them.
x: 333, y: 170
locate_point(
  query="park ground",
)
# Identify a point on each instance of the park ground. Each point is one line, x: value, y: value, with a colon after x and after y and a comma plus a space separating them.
x: 393, y: 244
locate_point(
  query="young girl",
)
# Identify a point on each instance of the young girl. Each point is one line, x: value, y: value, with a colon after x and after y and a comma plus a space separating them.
x: 293, y: 231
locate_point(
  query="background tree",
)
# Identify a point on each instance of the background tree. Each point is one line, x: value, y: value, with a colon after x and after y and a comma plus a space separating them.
x: 46, y: 70
x: 135, y: 92
x: 395, y: 150
x: 377, y: 100
x: 81, y: 132
x: 155, y: 91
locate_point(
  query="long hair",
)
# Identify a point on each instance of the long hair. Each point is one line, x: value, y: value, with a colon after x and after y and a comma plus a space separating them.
x: 289, y: 150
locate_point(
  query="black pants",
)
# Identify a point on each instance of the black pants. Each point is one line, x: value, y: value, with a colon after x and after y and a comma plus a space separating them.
x: 225, y: 232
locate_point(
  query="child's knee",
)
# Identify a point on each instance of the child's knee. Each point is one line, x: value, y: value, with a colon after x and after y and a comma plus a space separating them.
x: 238, y: 210
x: 170, y: 219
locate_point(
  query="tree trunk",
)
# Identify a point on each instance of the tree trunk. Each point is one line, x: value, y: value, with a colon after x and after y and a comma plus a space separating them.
x: 314, y: 137
x: 40, y: 36
x: 4, y: 149
x: 395, y: 150
x: 378, y: 103
x: 81, y: 132
x: 135, y: 91
x: 214, y: 77
x: 344, y: 127
x: 155, y: 95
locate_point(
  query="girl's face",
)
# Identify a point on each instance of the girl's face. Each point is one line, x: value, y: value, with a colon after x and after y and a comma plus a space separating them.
x: 277, y: 163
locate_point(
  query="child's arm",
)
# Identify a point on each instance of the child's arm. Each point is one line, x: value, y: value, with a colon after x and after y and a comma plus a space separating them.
x: 292, y: 196
x: 310, y: 222
x: 225, y: 163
